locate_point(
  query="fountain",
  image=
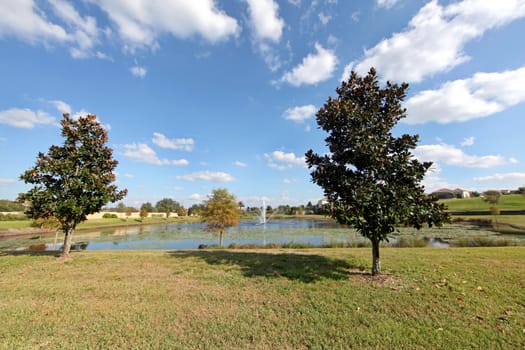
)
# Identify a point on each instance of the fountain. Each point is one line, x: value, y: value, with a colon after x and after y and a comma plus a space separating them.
x: 262, y: 218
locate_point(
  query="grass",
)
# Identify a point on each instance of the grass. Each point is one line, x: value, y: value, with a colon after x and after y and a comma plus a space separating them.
x: 100, y: 223
x: 272, y: 299
x: 506, y: 202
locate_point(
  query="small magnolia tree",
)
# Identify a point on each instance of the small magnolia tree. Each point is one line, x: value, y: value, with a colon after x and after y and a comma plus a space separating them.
x: 73, y: 180
x: 370, y: 177
x: 220, y: 212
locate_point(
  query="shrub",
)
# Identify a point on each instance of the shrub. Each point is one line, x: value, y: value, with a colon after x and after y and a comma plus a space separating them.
x: 109, y: 216
x: 12, y: 217
x: 410, y: 242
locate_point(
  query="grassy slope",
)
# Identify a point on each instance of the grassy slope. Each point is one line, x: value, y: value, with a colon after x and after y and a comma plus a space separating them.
x: 506, y: 202
x: 429, y: 298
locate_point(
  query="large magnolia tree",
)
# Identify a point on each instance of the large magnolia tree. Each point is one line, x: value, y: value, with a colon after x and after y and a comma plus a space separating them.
x: 369, y: 176
x: 73, y: 180
x: 221, y: 211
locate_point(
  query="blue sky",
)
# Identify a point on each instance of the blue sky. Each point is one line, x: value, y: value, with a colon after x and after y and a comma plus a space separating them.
x: 202, y: 94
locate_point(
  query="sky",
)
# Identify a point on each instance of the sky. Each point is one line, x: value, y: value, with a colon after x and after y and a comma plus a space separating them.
x: 204, y: 94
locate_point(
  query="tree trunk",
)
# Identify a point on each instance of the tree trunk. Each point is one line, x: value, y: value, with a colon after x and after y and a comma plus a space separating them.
x: 220, y: 239
x: 376, y: 263
x: 67, y: 242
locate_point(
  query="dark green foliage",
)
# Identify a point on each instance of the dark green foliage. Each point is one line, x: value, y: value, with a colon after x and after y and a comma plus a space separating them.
x: 168, y: 205
x: 148, y: 207
x: 369, y: 176
x: 109, y: 216
x: 73, y: 180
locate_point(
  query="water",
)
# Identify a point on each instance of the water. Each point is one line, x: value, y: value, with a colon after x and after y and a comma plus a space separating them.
x: 190, y: 236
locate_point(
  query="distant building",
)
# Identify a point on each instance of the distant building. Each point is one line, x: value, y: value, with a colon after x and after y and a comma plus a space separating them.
x: 322, y: 202
x: 446, y: 193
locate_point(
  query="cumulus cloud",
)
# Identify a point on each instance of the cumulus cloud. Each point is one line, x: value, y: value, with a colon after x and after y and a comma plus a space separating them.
x: 450, y: 155
x: 207, y: 176
x: 313, y: 69
x: 267, y: 29
x: 240, y: 164
x: 300, y: 113
x: 82, y: 30
x: 25, y: 20
x: 61, y: 106
x: 435, y: 39
x: 25, y: 118
x: 185, y: 144
x: 281, y: 161
x: 144, y: 154
x: 141, y: 22
x: 138, y: 71
x: 265, y: 20
x: 460, y: 100
x: 503, y: 178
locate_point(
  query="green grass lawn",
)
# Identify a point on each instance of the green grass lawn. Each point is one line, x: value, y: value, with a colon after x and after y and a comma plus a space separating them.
x: 279, y: 299
x: 506, y: 202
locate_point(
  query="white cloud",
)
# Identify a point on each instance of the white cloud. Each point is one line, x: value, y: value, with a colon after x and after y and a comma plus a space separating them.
x: 514, y: 178
x: 138, y: 71
x: 450, y: 155
x: 207, y: 176
x: 435, y: 39
x: 313, y: 69
x: 144, y: 154
x: 468, y: 141
x: 25, y: 118
x: 4, y: 181
x: 240, y: 164
x: 141, y: 22
x: 324, y: 18
x: 129, y: 176
x: 433, y: 181
x: 460, y: 100
x: 23, y: 19
x: 265, y: 20
x: 84, y: 30
x: 281, y: 161
x: 162, y: 141
x: 300, y: 113
x: 386, y: 3
x: 198, y: 197
x: 62, y: 106
x: 83, y: 113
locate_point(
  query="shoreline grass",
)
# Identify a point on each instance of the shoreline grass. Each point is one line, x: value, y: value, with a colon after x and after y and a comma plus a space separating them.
x: 272, y: 299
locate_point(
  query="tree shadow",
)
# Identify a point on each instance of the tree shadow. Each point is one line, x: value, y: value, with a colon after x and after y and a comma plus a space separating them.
x: 302, y: 267
x: 30, y: 252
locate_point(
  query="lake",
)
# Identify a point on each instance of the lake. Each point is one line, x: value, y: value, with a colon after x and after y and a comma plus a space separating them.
x: 189, y: 236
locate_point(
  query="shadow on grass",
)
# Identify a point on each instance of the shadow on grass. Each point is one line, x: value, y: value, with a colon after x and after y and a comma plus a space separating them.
x: 30, y: 253
x: 302, y: 267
